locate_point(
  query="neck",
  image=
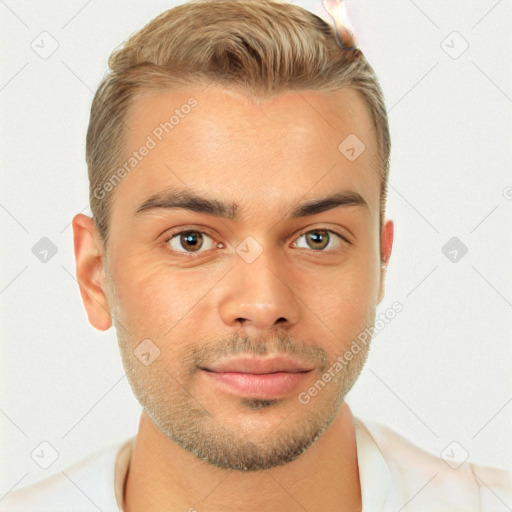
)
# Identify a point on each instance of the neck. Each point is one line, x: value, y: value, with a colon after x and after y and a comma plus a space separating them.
x: 164, y: 476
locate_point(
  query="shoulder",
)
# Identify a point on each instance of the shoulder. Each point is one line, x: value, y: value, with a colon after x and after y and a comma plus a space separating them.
x: 86, y: 485
x: 446, y: 480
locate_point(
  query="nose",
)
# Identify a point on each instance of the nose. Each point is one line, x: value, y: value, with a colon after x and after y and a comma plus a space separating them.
x: 257, y: 297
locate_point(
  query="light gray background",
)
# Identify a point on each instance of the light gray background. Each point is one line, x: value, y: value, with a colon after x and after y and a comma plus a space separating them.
x: 438, y: 373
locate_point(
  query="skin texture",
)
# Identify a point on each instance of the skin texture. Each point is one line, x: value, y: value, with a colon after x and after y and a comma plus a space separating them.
x: 303, y: 295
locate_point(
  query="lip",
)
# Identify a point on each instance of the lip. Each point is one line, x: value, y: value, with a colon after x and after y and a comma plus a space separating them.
x: 258, y: 377
x: 259, y: 365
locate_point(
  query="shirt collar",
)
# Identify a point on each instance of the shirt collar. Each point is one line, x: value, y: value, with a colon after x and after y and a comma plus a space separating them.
x: 121, y: 471
x: 374, y: 473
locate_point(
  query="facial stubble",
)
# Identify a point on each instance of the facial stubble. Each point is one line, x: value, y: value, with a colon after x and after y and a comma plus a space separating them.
x: 166, y: 397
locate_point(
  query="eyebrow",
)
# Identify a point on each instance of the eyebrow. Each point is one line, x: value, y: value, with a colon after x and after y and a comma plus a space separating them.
x: 188, y: 200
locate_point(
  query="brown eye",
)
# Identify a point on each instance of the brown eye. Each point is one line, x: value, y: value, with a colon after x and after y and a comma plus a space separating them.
x: 190, y: 241
x: 319, y: 239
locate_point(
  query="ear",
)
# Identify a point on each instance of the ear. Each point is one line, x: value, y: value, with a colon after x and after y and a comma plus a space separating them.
x: 386, y: 244
x: 89, y: 259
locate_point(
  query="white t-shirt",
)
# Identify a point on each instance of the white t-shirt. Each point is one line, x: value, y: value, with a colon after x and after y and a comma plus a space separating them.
x: 394, y: 474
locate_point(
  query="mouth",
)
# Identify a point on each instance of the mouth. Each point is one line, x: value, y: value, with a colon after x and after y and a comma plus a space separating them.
x: 258, y: 365
x: 258, y: 377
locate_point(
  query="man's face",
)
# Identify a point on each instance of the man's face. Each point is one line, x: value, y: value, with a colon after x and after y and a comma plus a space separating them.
x: 257, y: 282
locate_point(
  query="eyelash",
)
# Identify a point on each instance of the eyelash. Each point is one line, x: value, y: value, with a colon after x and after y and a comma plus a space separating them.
x: 196, y: 254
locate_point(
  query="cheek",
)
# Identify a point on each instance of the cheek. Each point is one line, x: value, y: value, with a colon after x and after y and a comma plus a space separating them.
x: 349, y: 298
x: 144, y: 294
x: 156, y: 301
x: 348, y: 308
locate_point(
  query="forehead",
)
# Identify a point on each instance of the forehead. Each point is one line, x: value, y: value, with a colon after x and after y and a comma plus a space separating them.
x: 257, y: 153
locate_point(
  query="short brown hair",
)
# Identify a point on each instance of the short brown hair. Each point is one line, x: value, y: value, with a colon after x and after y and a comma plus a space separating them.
x: 260, y: 47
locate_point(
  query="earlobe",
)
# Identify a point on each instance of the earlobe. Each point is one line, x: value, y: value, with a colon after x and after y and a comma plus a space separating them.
x: 89, y: 260
x: 386, y: 245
